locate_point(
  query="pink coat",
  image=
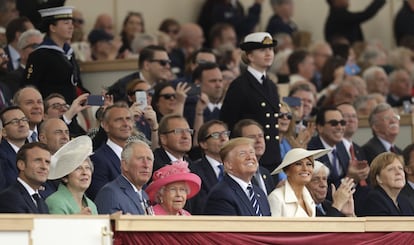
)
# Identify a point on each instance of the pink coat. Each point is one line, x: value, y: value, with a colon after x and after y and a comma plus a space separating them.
x: 158, y: 210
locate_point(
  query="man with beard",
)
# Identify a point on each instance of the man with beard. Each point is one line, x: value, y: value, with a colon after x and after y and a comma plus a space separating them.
x: 252, y: 95
x: 175, y: 141
x: 15, y: 131
x: 385, y: 125
x: 117, y: 122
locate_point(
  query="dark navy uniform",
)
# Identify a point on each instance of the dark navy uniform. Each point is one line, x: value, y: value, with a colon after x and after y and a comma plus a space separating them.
x: 53, y: 70
x: 247, y: 98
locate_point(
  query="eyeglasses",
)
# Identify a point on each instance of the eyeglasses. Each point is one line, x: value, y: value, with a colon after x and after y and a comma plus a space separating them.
x: 78, y: 21
x: 394, y: 117
x: 17, y: 121
x: 162, y: 62
x: 335, y: 123
x: 58, y: 106
x: 180, y: 131
x: 31, y: 45
x: 3, y: 55
x: 150, y: 92
x: 175, y: 190
x: 168, y: 96
x: 217, y: 135
x: 287, y: 115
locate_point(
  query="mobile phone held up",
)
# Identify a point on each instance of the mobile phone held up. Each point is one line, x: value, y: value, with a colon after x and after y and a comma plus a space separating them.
x: 95, y: 100
x: 141, y: 99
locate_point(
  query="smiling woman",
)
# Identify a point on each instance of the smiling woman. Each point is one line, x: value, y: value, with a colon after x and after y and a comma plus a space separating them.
x: 293, y: 199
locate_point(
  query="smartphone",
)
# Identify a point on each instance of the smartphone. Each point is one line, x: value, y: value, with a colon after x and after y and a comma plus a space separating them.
x: 97, y: 100
x: 351, y: 69
x: 292, y: 101
x: 194, y: 91
x: 141, y: 99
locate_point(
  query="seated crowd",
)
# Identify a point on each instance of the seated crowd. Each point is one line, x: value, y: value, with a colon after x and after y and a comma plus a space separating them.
x: 216, y: 136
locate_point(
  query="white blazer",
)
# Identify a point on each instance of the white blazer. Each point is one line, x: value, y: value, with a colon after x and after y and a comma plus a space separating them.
x: 283, y: 202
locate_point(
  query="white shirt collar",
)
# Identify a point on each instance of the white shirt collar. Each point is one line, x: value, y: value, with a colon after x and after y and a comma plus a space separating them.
x: 347, y: 145
x: 116, y: 148
x: 15, y: 148
x: 257, y: 74
x: 241, y: 183
x: 214, y: 164
x: 27, y: 187
x: 212, y: 106
x: 385, y: 143
x: 172, y: 158
x: 14, y: 56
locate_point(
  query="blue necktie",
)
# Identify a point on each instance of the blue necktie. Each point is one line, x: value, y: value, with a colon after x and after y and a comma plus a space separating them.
x: 253, y: 201
x: 335, y: 163
x: 320, y: 208
x: 221, y: 172
x: 33, y: 137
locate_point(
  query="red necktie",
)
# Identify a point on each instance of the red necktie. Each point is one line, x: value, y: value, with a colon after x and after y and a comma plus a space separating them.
x: 353, y: 157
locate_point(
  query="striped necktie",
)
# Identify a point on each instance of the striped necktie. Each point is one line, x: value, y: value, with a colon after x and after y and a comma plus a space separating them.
x: 253, y: 201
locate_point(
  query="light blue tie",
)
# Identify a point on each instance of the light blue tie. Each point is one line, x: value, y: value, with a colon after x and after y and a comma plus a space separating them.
x: 33, y: 137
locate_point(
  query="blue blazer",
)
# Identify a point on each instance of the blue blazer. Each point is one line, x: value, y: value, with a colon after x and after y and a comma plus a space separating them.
x: 16, y: 199
x: 118, y: 195
x: 107, y: 167
x: 378, y: 203
x: 228, y: 198
x: 8, y: 155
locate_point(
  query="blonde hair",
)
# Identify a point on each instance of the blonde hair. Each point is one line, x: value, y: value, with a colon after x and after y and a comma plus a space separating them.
x: 233, y: 143
x: 380, y: 162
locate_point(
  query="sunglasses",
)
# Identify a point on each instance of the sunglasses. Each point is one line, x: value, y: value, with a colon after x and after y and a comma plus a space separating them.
x: 335, y: 123
x: 150, y: 92
x: 162, y: 62
x: 168, y: 96
x: 287, y: 115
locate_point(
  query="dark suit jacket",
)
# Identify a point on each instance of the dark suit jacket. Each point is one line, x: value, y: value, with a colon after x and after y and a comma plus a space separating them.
x: 374, y: 147
x: 161, y: 159
x: 8, y: 155
x: 228, y: 198
x: 408, y: 193
x: 330, y: 211
x: 118, y: 195
x: 107, y: 167
x: 16, y: 199
x: 267, y: 179
x: 15, y: 79
x: 380, y: 204
x: 247, y: 98
x: 315, y: 143
x: 208, y: 178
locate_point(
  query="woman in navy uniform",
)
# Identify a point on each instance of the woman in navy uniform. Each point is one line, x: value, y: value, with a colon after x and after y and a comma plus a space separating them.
x: 52, y: 67
x: 252, y: 95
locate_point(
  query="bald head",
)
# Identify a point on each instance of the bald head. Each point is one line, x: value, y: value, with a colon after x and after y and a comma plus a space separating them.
x: 54, y: 133
x: 191, y: 36
x: 104, y: 22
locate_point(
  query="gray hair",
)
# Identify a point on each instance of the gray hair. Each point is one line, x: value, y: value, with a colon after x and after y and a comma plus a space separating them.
x: 160, y: 192
x: 319, y: 166
x: 142, y: 40
x: 129, y: 147
x: 393, y: 75
x: 381, y: 107
x: 25, y: 36
x: 369, y: 74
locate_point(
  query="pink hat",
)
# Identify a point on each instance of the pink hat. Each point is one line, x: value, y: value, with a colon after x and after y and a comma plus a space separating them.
x: 177, y: 171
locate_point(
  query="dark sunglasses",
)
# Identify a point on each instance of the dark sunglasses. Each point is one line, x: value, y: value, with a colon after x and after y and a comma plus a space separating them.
x: 162, y: 62
x: 335, y: 123
x: 287, y: 115
x: 168, y: 96
x: 149, y: 92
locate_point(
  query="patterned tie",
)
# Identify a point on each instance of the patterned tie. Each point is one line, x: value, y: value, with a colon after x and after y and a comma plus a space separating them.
x: 392, y: 149
x: 33, y: 137
x: 253, y: 201
x: 221, y: 172
x: 40, y: 203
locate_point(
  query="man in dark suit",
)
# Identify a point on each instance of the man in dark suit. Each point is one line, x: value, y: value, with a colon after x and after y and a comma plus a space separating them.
x: 342, y: 204
x: 235, y: 194
x: 15, y: 132
x: 175, y: 141
x: 385, y: 125
x: 33, y: 161
x: 211, y: 137
x: 253, y: 96
x: 358, y: 168
x: 117, y: 123
x: 251, y: 129
x: 125, y: 193
x: 330, y: 125
x: 408, y: 190
x: 400, y: 88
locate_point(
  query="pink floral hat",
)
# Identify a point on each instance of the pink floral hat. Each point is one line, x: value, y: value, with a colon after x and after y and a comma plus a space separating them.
x: 177, y: 171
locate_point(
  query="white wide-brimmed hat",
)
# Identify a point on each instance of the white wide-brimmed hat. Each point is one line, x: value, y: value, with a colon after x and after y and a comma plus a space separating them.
x: 297, y: 154
x: 70, y: 156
